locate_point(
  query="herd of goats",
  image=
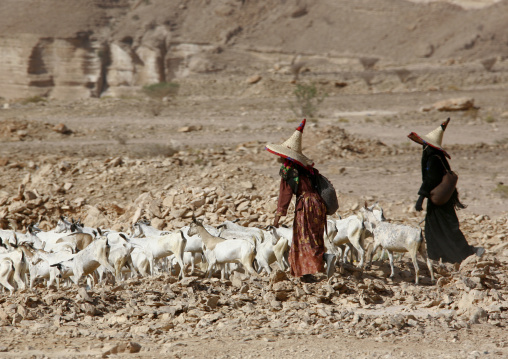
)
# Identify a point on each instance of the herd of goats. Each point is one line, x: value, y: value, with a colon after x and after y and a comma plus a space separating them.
x: 74, y: 251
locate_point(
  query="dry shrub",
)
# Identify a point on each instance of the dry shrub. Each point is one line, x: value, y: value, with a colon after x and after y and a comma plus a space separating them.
x: 33, y: 99
x: 161, y: 90
x: 367, y: 77
x: 148, y: 150
x: 368, y: 62
x: 307, y: 100
x: 502, y: 190
x: 403, y: 74
x: 488, y: 64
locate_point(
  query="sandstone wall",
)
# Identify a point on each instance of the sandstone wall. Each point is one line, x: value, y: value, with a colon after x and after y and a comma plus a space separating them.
x: 66, y: 68
x: 83, y: 67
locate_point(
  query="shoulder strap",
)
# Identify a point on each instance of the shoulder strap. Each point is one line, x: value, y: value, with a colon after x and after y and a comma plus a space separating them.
x: 440, y: 159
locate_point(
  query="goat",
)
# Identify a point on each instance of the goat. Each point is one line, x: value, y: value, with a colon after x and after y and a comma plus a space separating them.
x: 157, y: 247
x: 270, y: 250
x: 40, y: 267
x: 8, y: 237
x: 6, y: 273
x: 349, y: 230
x: 189, y: 258
x: 18, y: 260
x: 119, y: 254
x: 79, y: 240
x: 221, y: 251
x: 394, y: 237
x: 142, y: 228
x: 86, y: 261
x: 194, y: 246
x: 140, y: 261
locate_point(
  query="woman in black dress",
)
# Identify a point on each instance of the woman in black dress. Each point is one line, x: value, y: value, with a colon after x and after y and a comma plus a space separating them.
x: 445, y: 241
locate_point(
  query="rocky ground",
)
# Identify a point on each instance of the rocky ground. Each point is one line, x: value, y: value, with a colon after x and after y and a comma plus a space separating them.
x: 110, y: 161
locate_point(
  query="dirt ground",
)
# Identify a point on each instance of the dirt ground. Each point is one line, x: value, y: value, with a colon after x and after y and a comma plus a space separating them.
x: 388, y: 171
x: 212, y: 134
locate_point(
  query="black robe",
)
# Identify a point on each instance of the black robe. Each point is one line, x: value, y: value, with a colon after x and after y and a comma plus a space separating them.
x: 443, y: 236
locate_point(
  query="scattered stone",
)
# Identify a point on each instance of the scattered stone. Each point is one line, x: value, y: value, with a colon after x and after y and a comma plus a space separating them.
x: 455, y: 104
x: 62, y: 128
x: 254, y: 79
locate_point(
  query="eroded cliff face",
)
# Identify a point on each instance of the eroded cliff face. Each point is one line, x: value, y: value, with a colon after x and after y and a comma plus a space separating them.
x: 83, y: 66
x: 65, y: 68
x: 69, y: 49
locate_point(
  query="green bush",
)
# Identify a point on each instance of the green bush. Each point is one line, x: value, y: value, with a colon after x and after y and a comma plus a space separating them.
x: 34, y: 99
x: 161, y: 89
x: 502, y: 190
x: 307, y: 100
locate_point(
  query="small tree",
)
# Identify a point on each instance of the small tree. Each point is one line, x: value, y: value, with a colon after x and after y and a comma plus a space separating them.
x: 307, y: 100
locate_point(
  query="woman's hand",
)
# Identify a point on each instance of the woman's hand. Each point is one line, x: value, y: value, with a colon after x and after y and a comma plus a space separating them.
x: 276, y: 221
x: 419, y: 203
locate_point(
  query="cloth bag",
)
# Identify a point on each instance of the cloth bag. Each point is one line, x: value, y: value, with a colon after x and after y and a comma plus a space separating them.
x: 444, y: 191
x: 327, y: 193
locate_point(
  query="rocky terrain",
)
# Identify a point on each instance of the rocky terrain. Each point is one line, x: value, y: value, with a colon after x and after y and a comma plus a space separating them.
x: 81, y: 138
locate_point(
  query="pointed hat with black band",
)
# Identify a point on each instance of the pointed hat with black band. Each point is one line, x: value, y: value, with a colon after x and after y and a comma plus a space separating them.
x: 433, y: 139
x: 292, y: 148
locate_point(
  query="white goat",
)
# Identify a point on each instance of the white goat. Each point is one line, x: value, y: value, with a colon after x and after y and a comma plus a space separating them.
x: 194, y: 246
x: 394, y: 237
x: 141, y: 262
x: 143, y: 228
x: 157, y: 247
x: 86, y: 261
x: 119, y: 255
x: 270, y: 250
x: 270, y: 246
x: 18, y: 260
x: 6, y: 273
x: 40, y: 267
x: 219, y: 251
x: 8, y: 237
x: 189, y: 259
x: 347, y: 231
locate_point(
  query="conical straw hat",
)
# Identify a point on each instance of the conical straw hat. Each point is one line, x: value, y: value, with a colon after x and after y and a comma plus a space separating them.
x: 433, y: 138
x: 292, y: 148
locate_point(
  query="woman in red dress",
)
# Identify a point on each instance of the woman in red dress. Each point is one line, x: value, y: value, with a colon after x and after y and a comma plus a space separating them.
x: 307, y: 253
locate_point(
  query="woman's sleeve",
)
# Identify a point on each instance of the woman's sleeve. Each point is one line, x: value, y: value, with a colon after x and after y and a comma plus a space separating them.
x: 285, y: 195
x: 433, y: 174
